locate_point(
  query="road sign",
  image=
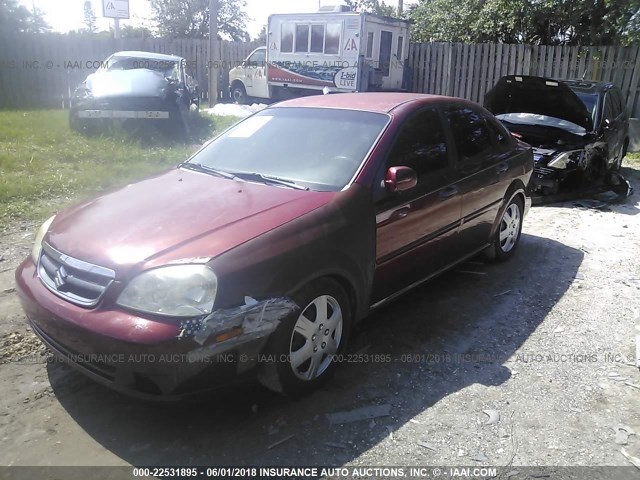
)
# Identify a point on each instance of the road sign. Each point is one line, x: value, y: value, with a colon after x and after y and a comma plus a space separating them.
x: 115, y: 8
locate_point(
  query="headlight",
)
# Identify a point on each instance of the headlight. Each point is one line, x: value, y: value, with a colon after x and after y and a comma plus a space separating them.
x: 175, y: 291
x: 564, y: 158
x: 37, y: 244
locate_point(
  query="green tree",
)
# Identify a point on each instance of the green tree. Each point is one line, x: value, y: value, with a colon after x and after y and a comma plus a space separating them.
x: 262, y: 36
x: 545, y: 22
x: 372, y: 6
x: 129, y: 31
x: 17, y: 18
x: 190, y: 18
x: 89, y: 17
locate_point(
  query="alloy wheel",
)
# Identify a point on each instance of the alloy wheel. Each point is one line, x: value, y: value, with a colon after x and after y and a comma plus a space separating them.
x: 510, y: 228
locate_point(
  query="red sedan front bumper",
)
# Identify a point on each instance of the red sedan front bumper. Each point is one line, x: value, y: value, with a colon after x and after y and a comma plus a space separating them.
x: 135, y: 355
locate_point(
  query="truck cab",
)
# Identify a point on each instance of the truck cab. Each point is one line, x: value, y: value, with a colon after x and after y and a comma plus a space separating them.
x: 250, y: 78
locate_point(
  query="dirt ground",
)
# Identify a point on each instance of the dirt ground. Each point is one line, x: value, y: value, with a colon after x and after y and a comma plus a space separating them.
x: 545, y: 343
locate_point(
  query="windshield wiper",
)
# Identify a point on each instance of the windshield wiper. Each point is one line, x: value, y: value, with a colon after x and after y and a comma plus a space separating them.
x: 198, y: 167
x: 261, y: 178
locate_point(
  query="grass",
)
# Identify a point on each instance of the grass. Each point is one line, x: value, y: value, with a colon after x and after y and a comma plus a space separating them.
x: 633, y: 159
x: 45, y: 166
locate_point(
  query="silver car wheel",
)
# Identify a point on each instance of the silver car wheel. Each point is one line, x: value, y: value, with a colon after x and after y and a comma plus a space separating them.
x: 510, y: 228
x: 316, y: 338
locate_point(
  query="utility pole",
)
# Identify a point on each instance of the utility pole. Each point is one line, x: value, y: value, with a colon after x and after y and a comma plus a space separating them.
x: 213, y: 52
x: 400, y: 7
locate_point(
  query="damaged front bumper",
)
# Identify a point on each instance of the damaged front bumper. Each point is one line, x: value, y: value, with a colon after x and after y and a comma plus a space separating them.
x: 156, y: 359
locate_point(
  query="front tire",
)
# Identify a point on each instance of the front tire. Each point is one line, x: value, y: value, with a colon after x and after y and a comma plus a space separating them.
x: 507, y: 236
x: 304, y: 346
x: 239, y: 94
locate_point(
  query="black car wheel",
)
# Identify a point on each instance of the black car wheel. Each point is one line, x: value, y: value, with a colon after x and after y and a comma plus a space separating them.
x: 239, y: 94
x: 507, y: 236
x: 303, y: 349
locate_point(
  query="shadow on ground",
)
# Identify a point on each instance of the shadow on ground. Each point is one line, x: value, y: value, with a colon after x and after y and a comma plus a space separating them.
x: 491, y: 312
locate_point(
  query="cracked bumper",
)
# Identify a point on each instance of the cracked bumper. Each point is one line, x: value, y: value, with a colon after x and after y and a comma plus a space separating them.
x: 137, y: 356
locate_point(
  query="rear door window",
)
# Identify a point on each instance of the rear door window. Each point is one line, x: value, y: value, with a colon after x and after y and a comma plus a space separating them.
x: 471, y: 134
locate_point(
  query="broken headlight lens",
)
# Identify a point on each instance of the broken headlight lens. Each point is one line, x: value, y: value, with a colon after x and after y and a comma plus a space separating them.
x: 565, y: 158
x: 37, y: 244
x: 174, y: 291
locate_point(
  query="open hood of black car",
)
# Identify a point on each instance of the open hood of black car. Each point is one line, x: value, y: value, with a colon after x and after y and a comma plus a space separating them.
x: 537, y: 95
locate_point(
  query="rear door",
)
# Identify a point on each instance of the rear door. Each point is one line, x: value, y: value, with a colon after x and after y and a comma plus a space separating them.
x: 482, y: 160
x: 417, y: 229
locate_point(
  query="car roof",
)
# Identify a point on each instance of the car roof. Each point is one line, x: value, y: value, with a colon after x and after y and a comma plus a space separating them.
x: 378, y: 102
x: 149, y: 55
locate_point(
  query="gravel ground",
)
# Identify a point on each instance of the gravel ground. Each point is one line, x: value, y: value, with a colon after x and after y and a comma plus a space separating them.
x: 530, y: 362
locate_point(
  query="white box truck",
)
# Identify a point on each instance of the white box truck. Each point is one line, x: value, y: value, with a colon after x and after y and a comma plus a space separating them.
x: 333, y: 50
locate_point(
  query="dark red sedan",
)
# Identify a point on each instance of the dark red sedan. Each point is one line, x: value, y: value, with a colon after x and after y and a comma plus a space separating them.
x: 260, y: 253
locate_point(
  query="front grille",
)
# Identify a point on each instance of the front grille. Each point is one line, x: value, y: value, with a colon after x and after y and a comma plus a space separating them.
x: 79, y: 282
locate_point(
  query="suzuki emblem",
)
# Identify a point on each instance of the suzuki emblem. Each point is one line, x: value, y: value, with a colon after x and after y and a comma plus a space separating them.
x: 60, y: 277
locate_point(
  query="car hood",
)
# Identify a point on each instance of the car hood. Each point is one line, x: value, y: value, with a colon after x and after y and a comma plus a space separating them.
x: 538, y: 95
x: 125, y: 83
x: 174, y: 217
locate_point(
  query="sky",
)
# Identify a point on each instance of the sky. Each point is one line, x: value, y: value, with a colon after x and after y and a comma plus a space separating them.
x: 65, y: 15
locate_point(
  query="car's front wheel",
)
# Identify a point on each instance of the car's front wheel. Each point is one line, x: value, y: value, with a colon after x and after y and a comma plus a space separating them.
x: 304, y: 347
x: 239, y: 94
x: 508, y: 233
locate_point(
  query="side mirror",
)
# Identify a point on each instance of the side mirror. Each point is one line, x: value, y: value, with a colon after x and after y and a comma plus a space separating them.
x: 400, y: 179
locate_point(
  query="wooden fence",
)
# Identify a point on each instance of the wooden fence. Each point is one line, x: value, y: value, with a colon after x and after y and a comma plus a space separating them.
x: 41, y: 71
x: 470, y: 70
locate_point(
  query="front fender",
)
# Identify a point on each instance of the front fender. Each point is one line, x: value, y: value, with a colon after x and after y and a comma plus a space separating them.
x: 335, y: 240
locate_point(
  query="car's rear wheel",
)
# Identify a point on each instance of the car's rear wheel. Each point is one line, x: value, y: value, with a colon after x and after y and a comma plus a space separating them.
x: 305, y: 344
x: 507, y: 236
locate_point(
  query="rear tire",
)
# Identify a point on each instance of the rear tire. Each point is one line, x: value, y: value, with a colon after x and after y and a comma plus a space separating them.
x: 302, y: 350
x: 507, y: 236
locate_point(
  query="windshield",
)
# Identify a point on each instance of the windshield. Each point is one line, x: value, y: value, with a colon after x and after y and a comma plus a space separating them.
x: 542, y: 120
x: 590, y: 101
x: 320, y: 149
x: 168, y: 68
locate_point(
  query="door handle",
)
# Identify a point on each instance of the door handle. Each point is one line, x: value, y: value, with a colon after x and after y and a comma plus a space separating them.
x: 448, y: 192
x: 399, y: 214
x: 502, y: 167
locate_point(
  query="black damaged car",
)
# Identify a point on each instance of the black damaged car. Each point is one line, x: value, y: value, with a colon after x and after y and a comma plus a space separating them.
x: 135, y: 88
x: 579, y: 129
